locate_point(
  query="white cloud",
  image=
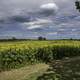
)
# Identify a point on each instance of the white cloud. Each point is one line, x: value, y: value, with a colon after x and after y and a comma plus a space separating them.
x: 52, y: 33
x: 36, y: 24
x: 34, y: 27
x: 39, y: 22
x: 48, y: 9
x: 61, y: 30
x: 74, y: 30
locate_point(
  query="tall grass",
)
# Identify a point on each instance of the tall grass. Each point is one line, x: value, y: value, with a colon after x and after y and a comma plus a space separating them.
x: 16, y: 57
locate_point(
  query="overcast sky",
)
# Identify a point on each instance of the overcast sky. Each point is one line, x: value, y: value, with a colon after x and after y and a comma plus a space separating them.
x: 32, y: 18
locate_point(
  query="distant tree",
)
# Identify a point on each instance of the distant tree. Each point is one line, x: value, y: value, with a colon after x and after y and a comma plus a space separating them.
x: 77, y: 4
x: 41, y: 38
x: 44, y: 38
x: 13, y: 38
x: 71, y: 38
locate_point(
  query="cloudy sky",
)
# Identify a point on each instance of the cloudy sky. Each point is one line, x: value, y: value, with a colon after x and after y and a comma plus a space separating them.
x: 32, y: 18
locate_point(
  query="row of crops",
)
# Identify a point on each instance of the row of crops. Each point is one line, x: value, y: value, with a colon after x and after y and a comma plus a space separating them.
x: 16, y: 57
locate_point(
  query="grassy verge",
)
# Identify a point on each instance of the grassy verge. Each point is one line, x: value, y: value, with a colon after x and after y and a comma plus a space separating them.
x: 26, y: 73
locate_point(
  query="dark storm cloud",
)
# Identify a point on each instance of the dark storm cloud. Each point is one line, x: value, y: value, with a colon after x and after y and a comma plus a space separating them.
x: 25, y: 10
x: 21, y: 19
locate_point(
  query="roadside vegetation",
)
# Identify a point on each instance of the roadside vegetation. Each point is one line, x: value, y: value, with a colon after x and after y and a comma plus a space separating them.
x: 19, y: 54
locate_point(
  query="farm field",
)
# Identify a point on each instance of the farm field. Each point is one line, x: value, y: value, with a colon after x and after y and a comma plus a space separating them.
x: 22, y: 56
x: 19, y: 44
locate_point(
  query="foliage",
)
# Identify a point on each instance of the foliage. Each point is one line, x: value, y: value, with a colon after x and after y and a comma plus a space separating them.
x: 65, y: 69
x: 14, y: 56
x: 77, y: 4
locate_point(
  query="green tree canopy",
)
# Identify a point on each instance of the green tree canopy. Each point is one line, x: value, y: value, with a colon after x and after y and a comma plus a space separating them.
x: 77, y: 4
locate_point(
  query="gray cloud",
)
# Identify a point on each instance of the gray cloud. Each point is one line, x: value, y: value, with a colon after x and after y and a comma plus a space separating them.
x: 14, y: 13
x: 25, y: 11
x: 20, y: 19
x: 19, y: 7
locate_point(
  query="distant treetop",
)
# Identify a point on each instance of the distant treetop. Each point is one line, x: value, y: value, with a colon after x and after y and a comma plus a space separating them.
x: 77, y: 4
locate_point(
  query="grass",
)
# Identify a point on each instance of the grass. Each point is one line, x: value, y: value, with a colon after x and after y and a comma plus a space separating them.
x: 30, y: 72
x: 20, y: 44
